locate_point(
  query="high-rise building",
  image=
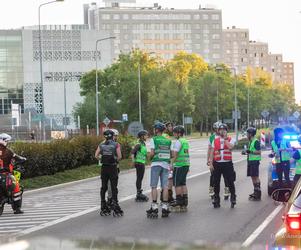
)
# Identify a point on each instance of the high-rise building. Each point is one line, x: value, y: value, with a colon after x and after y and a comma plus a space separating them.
x: 163, y: 31
x: 288, y: 72
x: 276, y: 67
x: 236, y: 48
x: 259, y: 55
x: 68, y: 51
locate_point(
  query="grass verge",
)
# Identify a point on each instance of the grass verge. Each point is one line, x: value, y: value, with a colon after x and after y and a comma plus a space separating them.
x: 76, y: 174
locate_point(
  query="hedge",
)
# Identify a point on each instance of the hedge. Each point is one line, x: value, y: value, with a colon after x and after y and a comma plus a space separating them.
x: 59, y: 155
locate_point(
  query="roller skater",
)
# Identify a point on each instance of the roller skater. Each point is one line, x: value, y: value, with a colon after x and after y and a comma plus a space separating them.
x: 221, y: 164
x: 152, y: 213
x: 139, y: 156
x: 254, y: 156
x: 160, y: 156
x: 109, y: 154
x: 211, y: 188
x: 180, y: 163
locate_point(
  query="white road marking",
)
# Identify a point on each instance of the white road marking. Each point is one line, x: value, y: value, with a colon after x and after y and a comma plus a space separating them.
x: 261, y: 227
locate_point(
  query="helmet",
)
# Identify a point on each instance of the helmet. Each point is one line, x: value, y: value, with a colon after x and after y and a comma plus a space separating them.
x: 142, y: 133
x: 108, y: 134
x: 223, y: 126
x: 160, y: 126
x: 115, y: 131
x: 179, y: 129
x: 216, y: 125
x: 4, y: 139
x: 251, y: 131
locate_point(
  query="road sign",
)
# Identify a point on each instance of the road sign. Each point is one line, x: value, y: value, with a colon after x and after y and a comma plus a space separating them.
x: 188, y: 120
x: 106, y: 121
x: 125, y: 117
x: 37, y: 118
x: 237, y: 114
x: 265, y: 113
x: 296, y: 114
x: 134, y: 128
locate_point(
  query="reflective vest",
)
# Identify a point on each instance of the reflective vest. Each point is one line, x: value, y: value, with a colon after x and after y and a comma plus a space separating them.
x: 285, y: 156
x: 211, y: 138
x: 253, y: 157
x: 166, y: 135
x: 227, y: 154
x: 162, y: 149
x: 183, y: 155
x: 298, y: 164
x: 141, y: 153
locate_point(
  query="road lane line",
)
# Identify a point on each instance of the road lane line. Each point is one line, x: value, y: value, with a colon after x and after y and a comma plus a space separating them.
x: 261, y: 227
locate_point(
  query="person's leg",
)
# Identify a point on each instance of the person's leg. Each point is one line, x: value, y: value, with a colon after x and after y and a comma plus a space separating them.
x: 286, y: 170
x: 113, y: 175
x: 229, y: 174
x: 217, y: 179
x: 155, y: 173
x: 279, y: 171
x: 140, y: 169
x: 164, y: 173
x: 17, y: 199
x: 104, y: 187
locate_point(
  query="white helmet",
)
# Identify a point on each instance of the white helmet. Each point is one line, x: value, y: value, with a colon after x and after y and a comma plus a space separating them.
x: 115, y: 131
x: 4, y: 139
x: 216, y: 125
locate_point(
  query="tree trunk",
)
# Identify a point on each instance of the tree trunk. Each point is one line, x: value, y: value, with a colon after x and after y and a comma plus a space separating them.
x: 207, y: 125
x: 201, y: 127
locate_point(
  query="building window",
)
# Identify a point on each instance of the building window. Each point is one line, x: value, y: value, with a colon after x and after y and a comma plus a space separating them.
x: 197, y: 36
x: 205, y: 17
x: 196, y: 17
x: 125, y: 16
x: 216, y: 46
x: 166, y: 36
x: 215, y: 26
x: 116, y: 17
x: 215, y: 17
x: 215, y: 36
x: 197, y: 46
x: 197, y: 26
x: 246, y: 51
x: 261, y: 54
x: 105, y: 16
x: 187, y: 36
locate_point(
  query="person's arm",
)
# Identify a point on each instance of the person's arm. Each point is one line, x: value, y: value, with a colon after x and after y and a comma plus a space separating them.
x: 175, y: 151
x: 134, y: 152
x: 230, y: 144
x: 97, y: 153
x: 210, y: 161
x: 257, y: 149
x: 119, y: 155
x: 152, y: 149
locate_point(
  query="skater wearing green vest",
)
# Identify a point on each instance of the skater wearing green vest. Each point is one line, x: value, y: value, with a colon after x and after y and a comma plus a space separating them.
x: 254, y: 158
x: 160, y: 156
x: 180, y: 163
x: 281, y: 149
x: 139, y: 157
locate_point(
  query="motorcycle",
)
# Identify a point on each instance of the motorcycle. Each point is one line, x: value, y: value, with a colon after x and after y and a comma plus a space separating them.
x: 8, y: 183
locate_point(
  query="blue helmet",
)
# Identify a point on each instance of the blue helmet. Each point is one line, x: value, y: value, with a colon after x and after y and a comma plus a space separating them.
x: 160, y: 126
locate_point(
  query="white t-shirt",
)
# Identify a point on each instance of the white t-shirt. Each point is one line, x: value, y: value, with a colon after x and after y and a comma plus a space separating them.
x: 163, y: 164
x: 176, y: 146
x: 232, y: 142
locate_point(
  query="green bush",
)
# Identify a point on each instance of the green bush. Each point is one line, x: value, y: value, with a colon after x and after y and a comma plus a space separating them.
x: 60, y: 155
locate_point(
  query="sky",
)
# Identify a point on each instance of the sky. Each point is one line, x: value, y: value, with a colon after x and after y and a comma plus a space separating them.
x: 277, y: 22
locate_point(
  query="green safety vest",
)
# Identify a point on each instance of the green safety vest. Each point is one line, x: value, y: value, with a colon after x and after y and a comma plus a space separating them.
x: 166, y: 135
x: 162, y: 149
x: 298, y: 164
x: 253, y: 157
x: 141, y: 153
x: 211, y: 138
x: 183, y: 155
x: 285, y: 156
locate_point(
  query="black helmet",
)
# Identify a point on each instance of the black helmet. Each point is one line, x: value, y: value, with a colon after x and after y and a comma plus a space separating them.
x: 223, y: 126
x: 179, y: 129
x: 108, y: 134
x: 160, y: 126
x: 168, y: 123
x: 142, y: 133
x: 251, y: 131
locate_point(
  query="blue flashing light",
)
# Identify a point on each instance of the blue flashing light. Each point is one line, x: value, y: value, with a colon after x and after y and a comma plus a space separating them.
x: 294, y: 137
x: 286, y: 137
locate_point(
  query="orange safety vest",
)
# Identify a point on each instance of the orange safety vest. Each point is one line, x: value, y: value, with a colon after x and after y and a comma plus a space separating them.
x: 217, y: 148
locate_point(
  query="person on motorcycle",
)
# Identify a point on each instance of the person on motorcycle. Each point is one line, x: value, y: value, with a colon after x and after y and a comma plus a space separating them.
x: 281, y: 149
x: 7, y: 170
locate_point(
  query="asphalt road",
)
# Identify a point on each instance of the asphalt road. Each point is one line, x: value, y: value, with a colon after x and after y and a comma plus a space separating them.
x: 201, y: 222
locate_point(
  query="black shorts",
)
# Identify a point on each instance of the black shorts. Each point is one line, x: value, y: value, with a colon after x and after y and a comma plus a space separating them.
x: 253, y: 168
x: 179, y: 176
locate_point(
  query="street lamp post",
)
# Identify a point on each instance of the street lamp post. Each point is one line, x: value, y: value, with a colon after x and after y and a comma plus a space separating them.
x: 65, y: 109
x: 96, y: 82
x: 235, y: 106
x: 248, y: 107
x: 41, y: 65
x: 218, y: 69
